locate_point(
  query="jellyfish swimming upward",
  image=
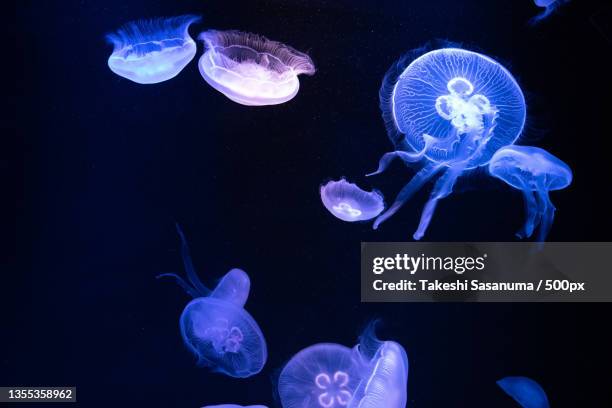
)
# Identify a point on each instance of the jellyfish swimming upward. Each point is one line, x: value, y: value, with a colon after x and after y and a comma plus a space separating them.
x: 250, y: 69
x: 216, y: 327
x: 374, y: 374
x: 152, y: 51
x: 348, y: 202
x: 525, y: 391
x: 535, y: 172
x: 446, y: 111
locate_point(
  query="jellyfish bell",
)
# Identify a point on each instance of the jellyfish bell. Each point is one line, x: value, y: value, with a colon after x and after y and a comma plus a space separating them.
x: 324, y: 375
x: 215, y: 326
x: 449, y: 110
x: 385, y: 373
x: 348, y: 202
x: 250, y: 69
x: 535, y: 172
x: 525, y: 391
x: 152, y: 51
x: 224, y: 337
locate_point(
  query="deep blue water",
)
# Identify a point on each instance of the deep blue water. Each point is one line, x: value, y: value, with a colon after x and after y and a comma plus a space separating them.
x: 105, y: 167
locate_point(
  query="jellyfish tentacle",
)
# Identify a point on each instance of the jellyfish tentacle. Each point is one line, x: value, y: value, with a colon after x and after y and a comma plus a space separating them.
x: 548, y: 214
x: 417, y: 181
x: 191, y: 291
x: 531, y: 212
x: 187, y: 262
x: 444, y: 186
x: 407, y: 157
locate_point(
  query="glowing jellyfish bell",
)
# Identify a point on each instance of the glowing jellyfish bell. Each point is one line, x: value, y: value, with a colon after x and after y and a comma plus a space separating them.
x: 535, y: 172
x: 250, y: 69
x: 349, y: 202
x: 373, y: 374
x: 215, y: 326
x: 152, y: 51
x: 448, y: 110
x: 525, y: 391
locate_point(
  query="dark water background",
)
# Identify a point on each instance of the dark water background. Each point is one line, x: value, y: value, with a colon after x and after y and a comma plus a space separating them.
x: 106, y: 166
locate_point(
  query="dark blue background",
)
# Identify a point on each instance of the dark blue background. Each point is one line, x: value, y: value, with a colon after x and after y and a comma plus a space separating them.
x: 106, y: 166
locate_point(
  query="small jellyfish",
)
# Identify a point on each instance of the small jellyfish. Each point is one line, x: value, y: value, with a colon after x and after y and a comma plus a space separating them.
x: 373, y: 374
x: 525, y: 391
x: 549, y: 7
x: 214, y: 325
x: 349, y: 202
x: 448, y: 110
x: 152, y: 51
x: 250, y: 69
x: 535, y: 172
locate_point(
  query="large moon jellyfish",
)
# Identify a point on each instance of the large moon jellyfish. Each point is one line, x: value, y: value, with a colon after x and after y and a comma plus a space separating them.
x: 448, y: 110
x: 250, y: 69
x: 152, y: 51
x: 535, y: 172
x: 349, y: 202
x: 525, y: 391
x: 373, y: 374
x: 214, y: 325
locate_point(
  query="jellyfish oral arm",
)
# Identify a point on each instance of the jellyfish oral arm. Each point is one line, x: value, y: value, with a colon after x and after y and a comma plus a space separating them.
x: 530, y: 212
x: 407, y: 157
x: 547, y: 210
x: 409, y: 189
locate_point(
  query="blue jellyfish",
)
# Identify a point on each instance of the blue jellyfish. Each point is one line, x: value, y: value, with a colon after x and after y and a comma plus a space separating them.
x: 250, y: 69
x: 152, y: 51
x: 448, y: 111
x: 535, y: 172
x: 549, y: 7
x: 372, y: 374
x: 214, y: 325
x: 349, y: 202
x: 525, y: 391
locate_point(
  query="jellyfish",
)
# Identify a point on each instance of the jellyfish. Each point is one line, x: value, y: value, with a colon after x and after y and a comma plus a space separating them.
x: 446, y: 111
x: 250, y: 69
x: 535, y: 172
x: 525, y: 391
x: 349, y: 202
x: 549, y: 7
x: 373, y: 374
x: 216, y: 327
x: 152, y: 51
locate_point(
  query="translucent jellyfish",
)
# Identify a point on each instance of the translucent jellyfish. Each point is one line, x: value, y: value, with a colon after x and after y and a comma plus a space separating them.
x: 448, y: 111
x: 250, y: 69
x: 152, y: 51
x: 371, y: 375
x: 349, y: 202
x: 549, y: 7
x: 214, y: 325
x: 535, y: 172
x: 525, y: 391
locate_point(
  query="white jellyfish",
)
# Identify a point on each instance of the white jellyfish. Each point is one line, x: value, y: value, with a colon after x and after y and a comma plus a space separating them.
x: 250, y: 69
x: 349, y: 202
x: 152, y: 51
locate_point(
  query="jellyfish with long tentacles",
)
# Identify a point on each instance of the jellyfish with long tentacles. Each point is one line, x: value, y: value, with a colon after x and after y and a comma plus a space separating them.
x: 447, y: 111
x: 373, y: 374
x: 215, y: 326
x: 350, y: 203
x: 250, y: 69
x: 152, y: 51
x: 535, y: 172
x: 525, y: 391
